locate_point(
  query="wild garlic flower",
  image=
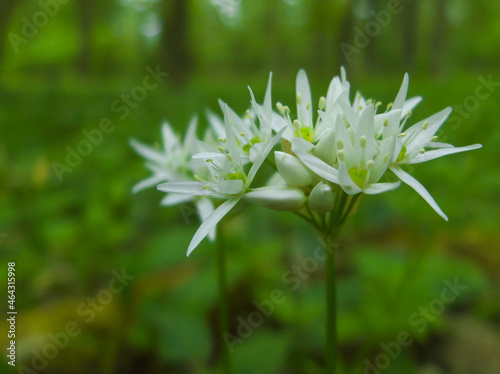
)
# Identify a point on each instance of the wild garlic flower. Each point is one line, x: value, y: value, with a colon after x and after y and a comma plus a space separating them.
x: 325, y: 162
x: 173, y: 164
x: 227, y: 179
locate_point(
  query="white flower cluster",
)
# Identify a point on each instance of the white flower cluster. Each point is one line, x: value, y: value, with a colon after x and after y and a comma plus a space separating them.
x: 351, y: 148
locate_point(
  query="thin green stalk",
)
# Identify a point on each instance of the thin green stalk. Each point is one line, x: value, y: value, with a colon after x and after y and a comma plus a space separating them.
x: 331, y: 347
x: 223, y: 302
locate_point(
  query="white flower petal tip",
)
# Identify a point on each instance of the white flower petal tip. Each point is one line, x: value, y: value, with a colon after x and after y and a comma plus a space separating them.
x: 292, y: 170
x: 321, y: 198
x: 419, y: 188
x: 209, y: 224
x: 277, y: 198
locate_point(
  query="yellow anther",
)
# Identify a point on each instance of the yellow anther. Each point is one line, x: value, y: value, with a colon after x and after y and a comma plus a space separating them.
x: 206, y: 187
x: 308, y: 106
x: 369, y: 164
x: 220, y: 148
x: 386, y: 122
x: 433, y: 139
x: 403, y: 134
x: 229, y: 157
x: 299, y: 99
x: 421, y: 151
x: 425, y: 125
x: 296, y: 124
x: 340, y: 144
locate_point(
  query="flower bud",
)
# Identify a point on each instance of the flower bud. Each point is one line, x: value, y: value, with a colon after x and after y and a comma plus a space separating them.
x: 292, y: 170
x: 277, y: 198
x: 325, y: 148
x: 321, y: 198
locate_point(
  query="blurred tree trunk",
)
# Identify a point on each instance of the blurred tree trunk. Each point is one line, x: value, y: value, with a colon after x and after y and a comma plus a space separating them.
x: 371, y: 57
x: 439, y: 36
x: 86, y: 12
x: 409, y: 33
x: 6, y: 10
x: 174, y: 54
x: 345, y: 33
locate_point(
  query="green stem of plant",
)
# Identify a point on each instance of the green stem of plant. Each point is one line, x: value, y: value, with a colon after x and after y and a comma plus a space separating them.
x: 223, y: 302
x: 331, y: 309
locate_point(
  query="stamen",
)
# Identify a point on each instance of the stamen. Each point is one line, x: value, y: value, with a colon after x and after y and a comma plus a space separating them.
x: 280, y: 108
x: 360, y: 107
x: 197, y: 177
x: 386, y: 122
x: 229, y: 157
x: 340, y: 144
x: 247, y: 114
x: 362, y: 141
x: 421, y: 151
x: 377, y: 104
x: 322, y: 103
x: 299, y: 99
x: 386, y: 158
x: 425, y: 125
x: 296, y: 124
x: 402, y: 135
x: 433, y: 139
x: 286, y: 109
x: 369, y: 164
x: 341, y: 155
x: 221, y: 149
x: 308, y: 106
x: 206, y: 187
x: 223, y: 140
x: 209, y: 160
x: 389, y: 106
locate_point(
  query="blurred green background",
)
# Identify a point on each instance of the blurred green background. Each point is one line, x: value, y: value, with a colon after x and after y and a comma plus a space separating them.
x: 64, y: 68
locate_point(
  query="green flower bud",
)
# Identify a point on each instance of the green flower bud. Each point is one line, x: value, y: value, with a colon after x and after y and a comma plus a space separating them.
x: 321, y: 198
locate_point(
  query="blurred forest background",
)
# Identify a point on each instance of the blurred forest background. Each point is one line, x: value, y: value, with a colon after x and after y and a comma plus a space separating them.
x: 64, y: 66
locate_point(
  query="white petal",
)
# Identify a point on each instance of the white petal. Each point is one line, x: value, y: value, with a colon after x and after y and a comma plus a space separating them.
x: 380, y: 187
x: 205, y: 207
x: 216, y: 124
x: 431, y: 155
x: 302, y: 87
x: 184, y: 188
x: 424, y: 136
x: 174, y: 199
x: 262, y: 157
x: 417, y: 186
x: 346, y: 182
x: 401, y: 96
x: 210, y: 223
x: 317, y: 165
x: 410, y: 104
x: 146, y: 183
x: 190, y: 140
x: 231, y: 140
x: 277, y: 198
x: 170, y: 140
x: 147, y: 151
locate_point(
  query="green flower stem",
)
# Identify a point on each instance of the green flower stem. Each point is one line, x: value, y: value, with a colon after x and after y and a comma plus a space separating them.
x: 331, y: 348
x: 223, y: 302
